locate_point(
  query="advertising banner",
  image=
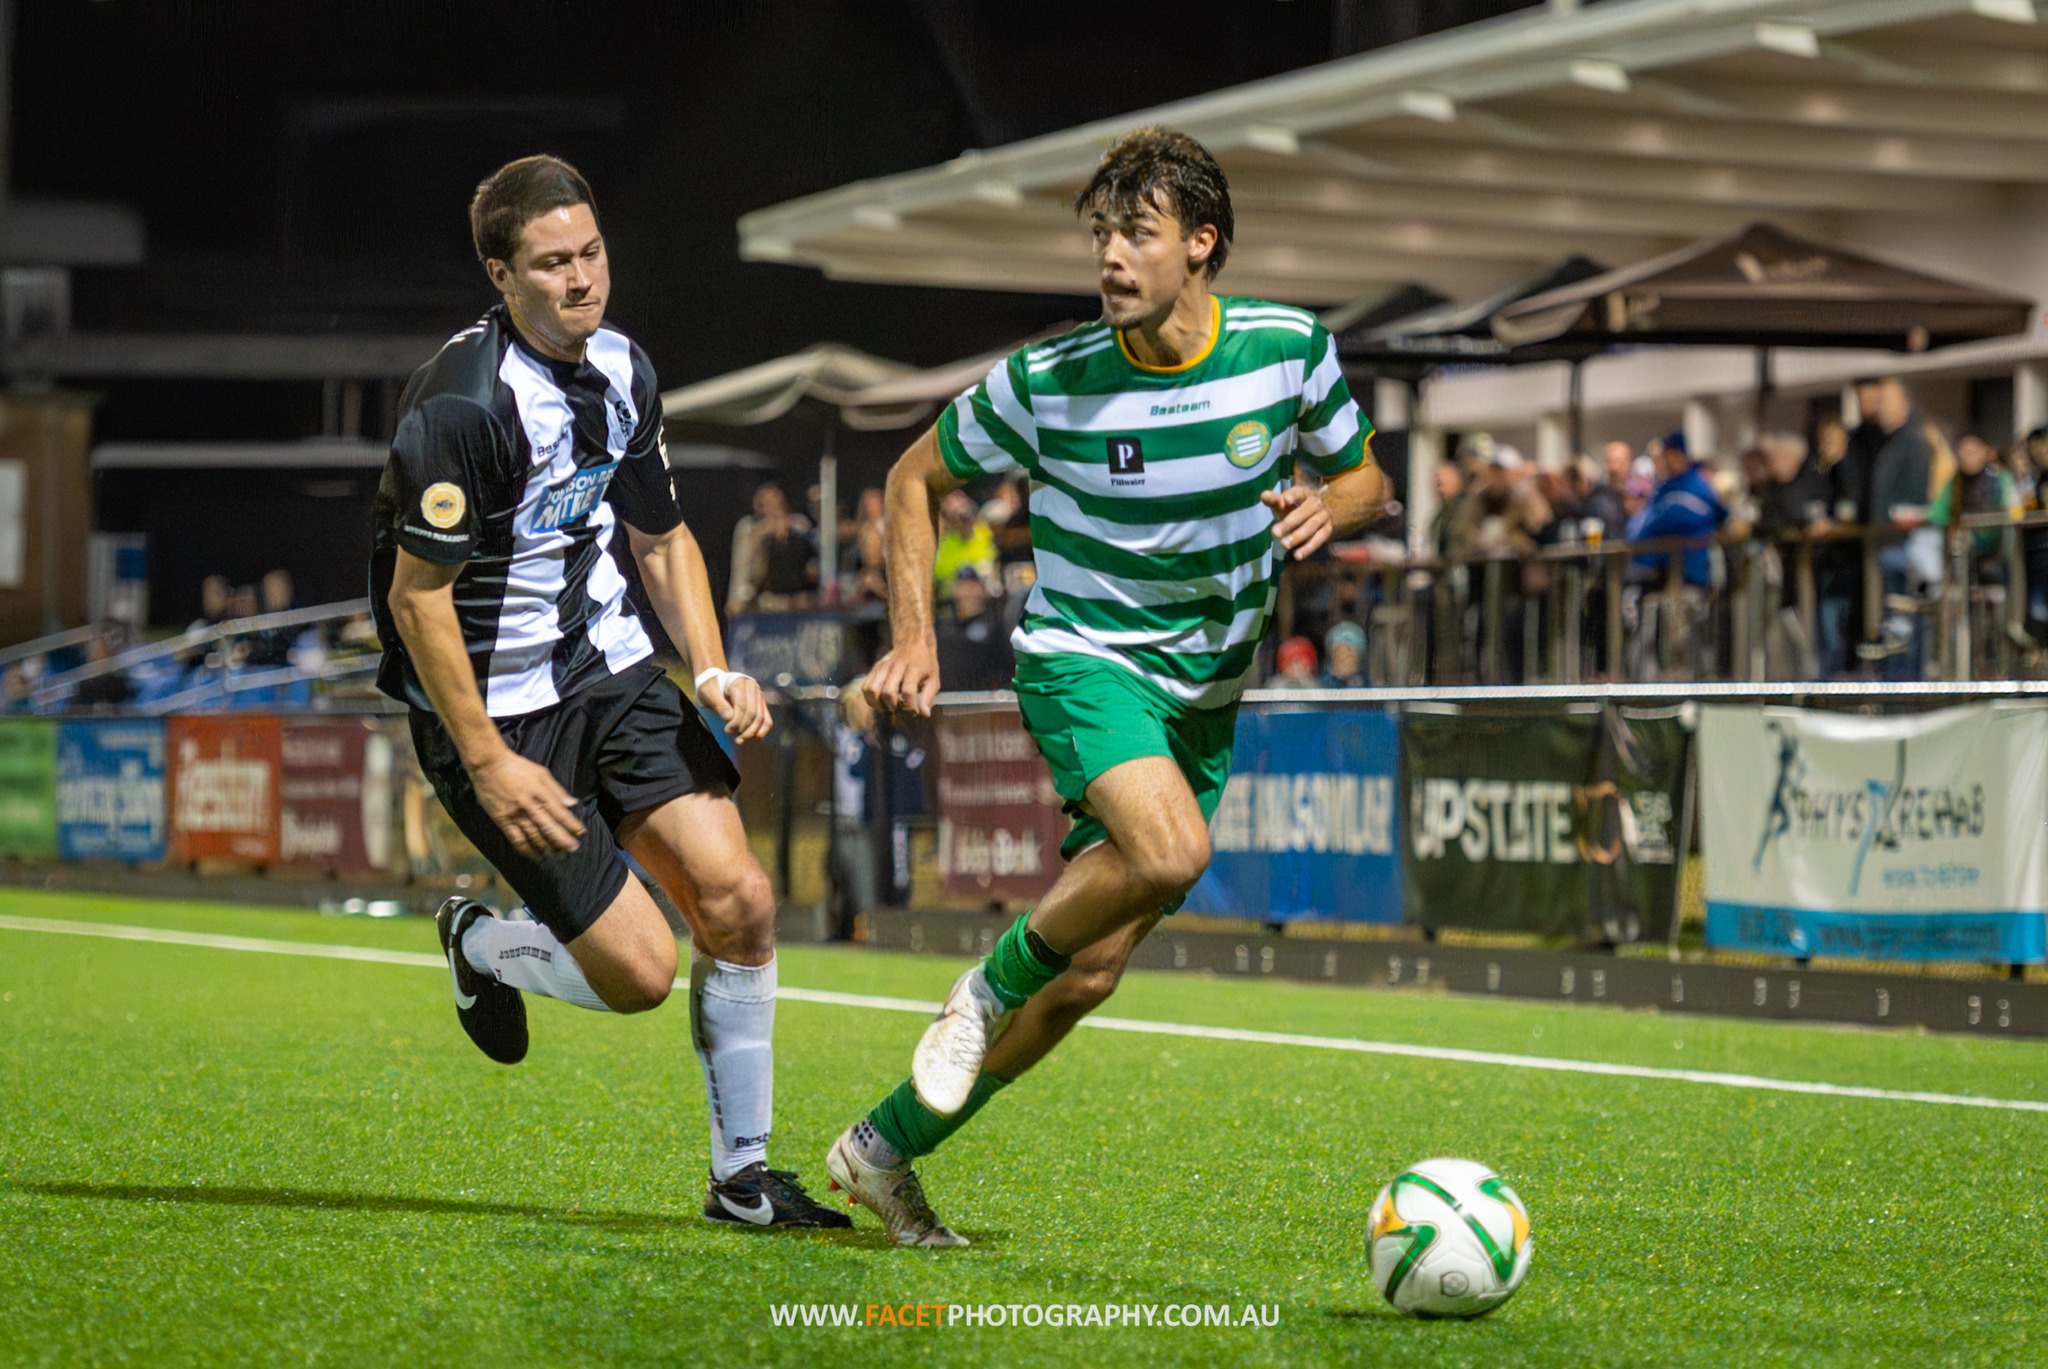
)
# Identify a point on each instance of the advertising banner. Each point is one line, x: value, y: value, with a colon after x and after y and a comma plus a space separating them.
x: 28, y: 788
x: 223, y: 788
x: 335, y: 798
x: 111, y: 801
x: 1905, y: 838
x: 1307, y: 827
x: 1000, y: 823
x: 1563, y: 824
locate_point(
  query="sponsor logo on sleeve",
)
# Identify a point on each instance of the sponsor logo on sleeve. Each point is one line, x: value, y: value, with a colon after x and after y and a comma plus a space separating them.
x: 443, y: 504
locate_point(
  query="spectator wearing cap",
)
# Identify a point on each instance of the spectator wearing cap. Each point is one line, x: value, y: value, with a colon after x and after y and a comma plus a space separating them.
x: 1294, y: 665
x: 1683, y: 505
x: 1344, y: 656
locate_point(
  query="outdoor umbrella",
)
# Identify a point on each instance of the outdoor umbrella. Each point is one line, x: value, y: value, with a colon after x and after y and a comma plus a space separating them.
x: 1763, y: 287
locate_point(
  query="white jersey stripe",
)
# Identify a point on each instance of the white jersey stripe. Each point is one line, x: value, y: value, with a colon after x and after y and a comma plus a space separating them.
x: 1059, y: 575
x: 1136, y: 410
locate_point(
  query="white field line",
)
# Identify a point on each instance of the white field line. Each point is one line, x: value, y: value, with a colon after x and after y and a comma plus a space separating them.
x: 1451, y: 1054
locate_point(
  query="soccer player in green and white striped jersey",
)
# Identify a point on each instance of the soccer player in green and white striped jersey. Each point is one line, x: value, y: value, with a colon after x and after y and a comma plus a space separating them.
x: 1160, y: 443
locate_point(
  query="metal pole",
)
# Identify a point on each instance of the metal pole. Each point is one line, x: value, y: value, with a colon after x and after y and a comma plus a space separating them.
x: 1686, y: 803
x: 1614, y: 568
x: 53, y: 507
x: 828, y: 515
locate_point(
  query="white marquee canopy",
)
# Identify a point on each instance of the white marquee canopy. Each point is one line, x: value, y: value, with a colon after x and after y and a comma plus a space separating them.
x: 1467, y: 159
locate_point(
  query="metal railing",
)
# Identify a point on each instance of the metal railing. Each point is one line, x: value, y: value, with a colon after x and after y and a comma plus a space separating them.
x: 1573, y: 613
x: 55, y: 688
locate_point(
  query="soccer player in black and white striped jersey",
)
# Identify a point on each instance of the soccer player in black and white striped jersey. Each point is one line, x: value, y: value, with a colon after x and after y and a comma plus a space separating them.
x: 546, y: 729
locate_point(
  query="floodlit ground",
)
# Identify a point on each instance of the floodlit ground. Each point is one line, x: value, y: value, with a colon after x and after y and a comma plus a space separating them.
x: 217, y: 1156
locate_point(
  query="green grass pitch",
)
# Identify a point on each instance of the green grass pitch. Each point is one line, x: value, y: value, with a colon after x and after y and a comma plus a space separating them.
x: 218, y: 1157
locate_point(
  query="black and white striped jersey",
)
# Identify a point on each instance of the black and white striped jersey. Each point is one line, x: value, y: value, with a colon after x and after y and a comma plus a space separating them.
x: 518, y: 468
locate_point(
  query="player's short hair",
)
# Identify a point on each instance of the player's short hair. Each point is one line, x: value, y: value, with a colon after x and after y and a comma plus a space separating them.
x: 515, y: 195
x: 1165, y: 169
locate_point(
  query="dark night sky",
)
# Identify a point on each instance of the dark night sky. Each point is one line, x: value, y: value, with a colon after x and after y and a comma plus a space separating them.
x: 306, y: 166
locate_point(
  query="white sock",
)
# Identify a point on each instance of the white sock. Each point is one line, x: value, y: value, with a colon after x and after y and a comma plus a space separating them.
x: 732, y: 1024
x: 527, y: 956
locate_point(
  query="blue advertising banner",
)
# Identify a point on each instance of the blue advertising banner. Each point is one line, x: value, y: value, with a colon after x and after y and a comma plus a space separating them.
x: 1309, y: 823
x: 110, y: 790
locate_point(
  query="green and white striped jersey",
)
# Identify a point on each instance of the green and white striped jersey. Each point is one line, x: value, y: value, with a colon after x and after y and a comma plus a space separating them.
x: 1153, y: 549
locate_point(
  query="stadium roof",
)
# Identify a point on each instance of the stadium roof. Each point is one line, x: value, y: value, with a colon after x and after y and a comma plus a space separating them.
x: 1467, y: 160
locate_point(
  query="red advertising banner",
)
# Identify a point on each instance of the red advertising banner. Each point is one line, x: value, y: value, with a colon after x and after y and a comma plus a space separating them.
x: 223, y: 788
x: 335, y: 798
x: 1000, y: 823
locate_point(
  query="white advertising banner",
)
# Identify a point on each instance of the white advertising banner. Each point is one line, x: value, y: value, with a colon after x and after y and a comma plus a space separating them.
x: 1903, y: 838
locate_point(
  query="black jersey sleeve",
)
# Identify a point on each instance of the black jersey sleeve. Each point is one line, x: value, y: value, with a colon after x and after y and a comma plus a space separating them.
x: 641, y: 493
x: 440, y: 458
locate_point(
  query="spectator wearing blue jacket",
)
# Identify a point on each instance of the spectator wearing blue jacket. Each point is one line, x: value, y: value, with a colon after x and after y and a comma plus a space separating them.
x: 1684, y: 505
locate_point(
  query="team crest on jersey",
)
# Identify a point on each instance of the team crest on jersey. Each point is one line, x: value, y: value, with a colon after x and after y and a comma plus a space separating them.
x: 1247, y: 443
x: 443, y: 504
x: 573, y: 499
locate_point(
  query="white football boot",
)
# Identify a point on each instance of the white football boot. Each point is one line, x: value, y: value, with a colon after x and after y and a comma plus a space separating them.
x: 949, y: 1055
x: 894, y: 1195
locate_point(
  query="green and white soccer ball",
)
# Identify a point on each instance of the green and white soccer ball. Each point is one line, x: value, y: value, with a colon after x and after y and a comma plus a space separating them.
x: 1448, y: 1238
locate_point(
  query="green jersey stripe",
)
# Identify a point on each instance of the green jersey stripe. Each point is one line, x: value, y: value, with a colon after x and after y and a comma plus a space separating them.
x: 1178, y: 508
x: 1169, y: 566
x: 1107, y: 616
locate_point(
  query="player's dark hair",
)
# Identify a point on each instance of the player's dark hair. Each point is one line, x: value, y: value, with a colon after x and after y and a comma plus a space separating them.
x: 1167, y: 170
x: 515, y: 195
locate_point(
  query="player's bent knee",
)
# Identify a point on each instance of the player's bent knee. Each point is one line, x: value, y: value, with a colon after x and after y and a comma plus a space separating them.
x: 739, y: 915
x: 644, y: 989
x: 1171, y: 868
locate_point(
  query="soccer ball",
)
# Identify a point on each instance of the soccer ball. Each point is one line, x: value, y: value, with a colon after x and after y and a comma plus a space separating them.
x: 1448, y: 1238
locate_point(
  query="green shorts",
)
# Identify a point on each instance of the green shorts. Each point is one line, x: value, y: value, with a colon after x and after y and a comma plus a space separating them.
x: 1088, y: 716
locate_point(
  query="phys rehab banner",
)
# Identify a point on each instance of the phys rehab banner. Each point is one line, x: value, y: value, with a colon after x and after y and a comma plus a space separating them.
x: 1905, y: 838
x: 1308, y: 824
x: 1562, y: 823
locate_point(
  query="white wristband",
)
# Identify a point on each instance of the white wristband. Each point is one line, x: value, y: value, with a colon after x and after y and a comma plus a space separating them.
x: 724, y: 677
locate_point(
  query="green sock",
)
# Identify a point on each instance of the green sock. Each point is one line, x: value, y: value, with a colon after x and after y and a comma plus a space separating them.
x: 1021, y: 964
x: 913, y: 1129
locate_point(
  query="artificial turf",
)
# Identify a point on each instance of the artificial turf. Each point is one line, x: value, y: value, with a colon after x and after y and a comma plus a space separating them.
x: 219, y: 1157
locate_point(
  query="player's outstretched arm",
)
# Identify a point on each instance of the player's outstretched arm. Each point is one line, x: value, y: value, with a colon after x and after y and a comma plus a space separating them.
x: 1305, y: 518
x: 522, y: 798
x: 906, y: 679
x: 679, y: 586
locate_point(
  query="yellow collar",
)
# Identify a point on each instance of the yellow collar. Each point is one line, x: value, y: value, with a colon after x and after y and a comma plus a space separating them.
x: 1215, y: 332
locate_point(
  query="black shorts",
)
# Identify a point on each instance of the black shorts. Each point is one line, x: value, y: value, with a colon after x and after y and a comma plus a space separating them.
x: 623, y: 746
